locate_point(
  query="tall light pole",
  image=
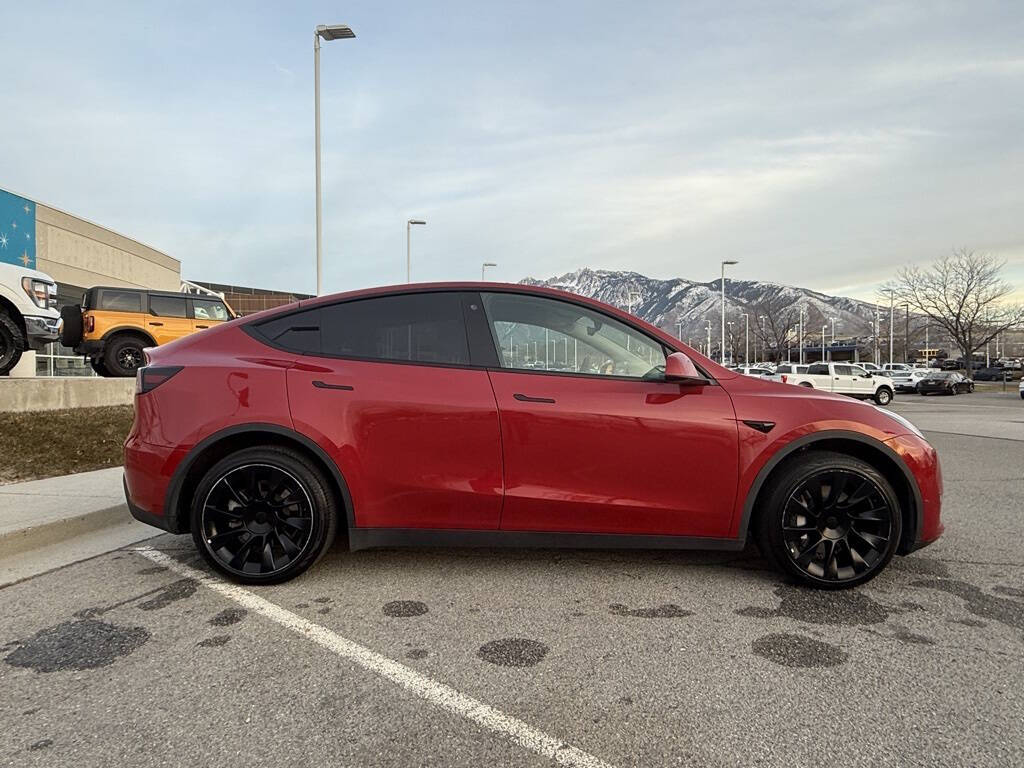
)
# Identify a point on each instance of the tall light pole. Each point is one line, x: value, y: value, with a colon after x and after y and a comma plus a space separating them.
x: 746, y: 338
x: 801, y: 336
x: 709, y: 338
x: 679, y: 329
x: 892, y: 319
x: 408, y: 248
x: 764, y: 339
x: 823, y: 329
x: 327, y: 32
x: 483, y: 269
x: 833, y: 321
x: 732, y: 357
x: 724, y: 265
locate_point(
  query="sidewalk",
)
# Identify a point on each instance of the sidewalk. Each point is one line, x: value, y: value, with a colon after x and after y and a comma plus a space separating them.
x: 48, y: 523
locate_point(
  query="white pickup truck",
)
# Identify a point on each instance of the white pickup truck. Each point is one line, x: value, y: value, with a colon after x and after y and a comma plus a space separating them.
x: 843, y: 379
x: 28, y: 314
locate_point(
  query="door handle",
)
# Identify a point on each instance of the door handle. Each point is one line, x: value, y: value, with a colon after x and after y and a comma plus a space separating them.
x: 528, y: 399
x: 202, y: 326
x: 324, y: 385
x: 152, y: 323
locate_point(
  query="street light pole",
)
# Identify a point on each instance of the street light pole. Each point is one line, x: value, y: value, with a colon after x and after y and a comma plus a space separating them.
x: 746, y: 338
x: 892, y: 319
x: 679, y: 329
x: 327, y: 32
x: 833, y: 321
x: 709, y: 339
x: 724, y: 265
x: 732, y: 355
x: 408, y: 247
x: 800, y: 339
x: 483, y: 268
x: 823, y: 329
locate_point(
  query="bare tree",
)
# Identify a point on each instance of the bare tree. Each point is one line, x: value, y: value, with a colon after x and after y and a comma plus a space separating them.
x: 964, y: 294
x: 772, y: 320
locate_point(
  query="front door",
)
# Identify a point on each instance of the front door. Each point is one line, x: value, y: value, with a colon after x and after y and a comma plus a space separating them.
x: 594, y: 439
x: 385, y: 386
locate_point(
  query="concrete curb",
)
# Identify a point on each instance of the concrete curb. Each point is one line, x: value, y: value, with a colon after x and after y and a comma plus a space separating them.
x: 51, y: 532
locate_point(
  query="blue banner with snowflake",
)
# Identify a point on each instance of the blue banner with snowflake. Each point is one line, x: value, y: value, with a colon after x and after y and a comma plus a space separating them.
x: 17, y: 230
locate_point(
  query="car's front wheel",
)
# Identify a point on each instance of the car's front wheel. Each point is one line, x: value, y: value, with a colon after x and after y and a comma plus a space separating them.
x: 829, y: 520
x: 883, y: 396
x: 263, y: 515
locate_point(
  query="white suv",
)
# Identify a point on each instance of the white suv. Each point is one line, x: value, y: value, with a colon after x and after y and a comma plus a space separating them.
x: 28, y: 313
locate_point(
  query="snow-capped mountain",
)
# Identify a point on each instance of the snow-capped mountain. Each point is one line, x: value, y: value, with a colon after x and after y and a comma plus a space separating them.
x: 684, y: 307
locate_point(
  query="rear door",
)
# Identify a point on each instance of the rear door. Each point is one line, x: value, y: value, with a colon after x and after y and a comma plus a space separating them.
x: 386, y: 386
x: 168, y: 318
x: 594, y: 439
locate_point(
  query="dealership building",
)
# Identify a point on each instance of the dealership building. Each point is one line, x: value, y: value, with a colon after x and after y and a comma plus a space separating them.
x: 79, y: 254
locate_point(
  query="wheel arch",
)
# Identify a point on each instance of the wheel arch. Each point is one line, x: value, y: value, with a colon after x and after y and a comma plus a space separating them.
x: 874, y: 452
x: 129, y: 330
x: 207, y: 452
x: 8, y: 307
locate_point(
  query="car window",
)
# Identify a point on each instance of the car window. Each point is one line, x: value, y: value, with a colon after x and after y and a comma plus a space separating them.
x: 121, y: 301
x: 209, y: 309
x: 817, y: 370
x: 415, y: 327
x: 784, y: 369
x: 844, y: 370
x: 858, y: 371
x: 535, y: 333
x: 167, y: 306
x: 297, y: 332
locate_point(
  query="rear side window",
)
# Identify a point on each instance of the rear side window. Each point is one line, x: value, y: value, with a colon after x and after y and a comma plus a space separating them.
x: 784, y: 369
x: 167, y: 306
x: 844, y: 370
x: 120, y: 301
x: 417, y: 327
x: 296, y: 332
x: 817, y: 370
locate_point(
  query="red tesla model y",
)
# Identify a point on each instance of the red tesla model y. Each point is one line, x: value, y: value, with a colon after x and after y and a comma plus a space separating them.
x: 507, y: 415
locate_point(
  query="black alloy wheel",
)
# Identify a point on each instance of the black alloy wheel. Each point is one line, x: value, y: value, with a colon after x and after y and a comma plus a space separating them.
x: 833, y: 521
x: 123, y: 355
x: 257, y: 519
x: 263, y: 515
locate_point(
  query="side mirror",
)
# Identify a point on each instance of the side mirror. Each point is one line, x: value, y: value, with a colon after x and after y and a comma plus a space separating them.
x: 680, y: 368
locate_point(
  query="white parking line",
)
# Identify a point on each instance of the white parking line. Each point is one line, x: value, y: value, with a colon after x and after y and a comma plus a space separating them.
x: 439, y: 694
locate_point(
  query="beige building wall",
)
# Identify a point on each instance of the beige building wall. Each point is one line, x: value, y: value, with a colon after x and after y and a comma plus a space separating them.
x: 76, y: 252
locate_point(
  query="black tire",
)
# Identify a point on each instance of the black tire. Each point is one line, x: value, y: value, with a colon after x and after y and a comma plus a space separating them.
x: 12, y: 343
x: 883, y: 396
x: 98, y: 367
x: 241, y: 508
x: 71, y: 325
x: 123, y: 355
x: 787, y: 526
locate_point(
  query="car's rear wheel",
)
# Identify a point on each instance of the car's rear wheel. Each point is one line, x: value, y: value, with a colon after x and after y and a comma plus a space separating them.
x: 123, y: 355
x: 883, y: 396
x: 263, y: 515
x: 829, y: 520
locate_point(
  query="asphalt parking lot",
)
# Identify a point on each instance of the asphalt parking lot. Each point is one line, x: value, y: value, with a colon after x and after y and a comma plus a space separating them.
x: 479, y: 657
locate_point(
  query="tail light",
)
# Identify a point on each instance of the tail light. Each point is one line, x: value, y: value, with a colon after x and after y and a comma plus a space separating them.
x: 149, y: 378
x: 90, y: 323
x: 784, y: 378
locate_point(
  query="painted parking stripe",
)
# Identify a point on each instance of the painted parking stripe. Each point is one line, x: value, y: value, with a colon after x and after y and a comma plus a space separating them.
x: 439, y: 694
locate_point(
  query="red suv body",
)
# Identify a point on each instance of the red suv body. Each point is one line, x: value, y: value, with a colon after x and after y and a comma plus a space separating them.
x: 480, y: 413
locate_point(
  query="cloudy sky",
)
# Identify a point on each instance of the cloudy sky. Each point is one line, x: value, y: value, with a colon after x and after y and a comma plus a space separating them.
x: 821, y: 144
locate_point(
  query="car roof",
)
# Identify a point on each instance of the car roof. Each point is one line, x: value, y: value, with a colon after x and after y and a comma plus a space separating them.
x: 151, y: 292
